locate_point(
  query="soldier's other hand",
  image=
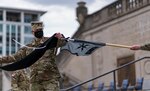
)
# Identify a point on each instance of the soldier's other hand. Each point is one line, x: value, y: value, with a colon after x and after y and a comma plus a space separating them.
x: 135, y: 47
x: 59, y: 35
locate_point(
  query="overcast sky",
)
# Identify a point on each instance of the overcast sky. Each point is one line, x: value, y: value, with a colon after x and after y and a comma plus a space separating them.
x: 60, y: 16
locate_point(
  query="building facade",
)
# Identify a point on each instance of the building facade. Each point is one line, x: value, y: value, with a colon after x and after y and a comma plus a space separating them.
x: 14, y: 26
x: 124, y: 22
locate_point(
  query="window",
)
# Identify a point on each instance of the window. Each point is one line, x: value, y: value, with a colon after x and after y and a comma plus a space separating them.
x: 1, y: 27
x: 7, y: 50
x: 19, y: 34
x: 13, y: 28
x: 13, y: 16
x: 27, y: 30
x: 18, y: 39
x: 7, y: 28
x: 13, y: 49
x: 1, y: 50
x: 7, y: 35
x: 13, y: 43
x: 30, y: 17
x: 27, y: 40
x: 19, y: 46
x: 13, y: 32
x: 127, y: 72
x: 19, y: 30
x: 1, y: 15
x: 1, y: 39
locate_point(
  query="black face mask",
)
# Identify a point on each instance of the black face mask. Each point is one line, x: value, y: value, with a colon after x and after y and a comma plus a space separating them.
x: 38, y: 34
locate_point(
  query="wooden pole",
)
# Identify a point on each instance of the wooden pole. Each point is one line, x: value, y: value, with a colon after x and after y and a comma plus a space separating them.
x: 118, y: 45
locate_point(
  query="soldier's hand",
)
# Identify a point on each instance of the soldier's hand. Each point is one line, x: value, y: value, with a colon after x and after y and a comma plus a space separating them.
x: 135, y: 47
x: 59, y: 35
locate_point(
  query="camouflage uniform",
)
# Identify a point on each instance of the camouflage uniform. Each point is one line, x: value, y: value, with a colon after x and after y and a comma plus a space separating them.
x: 44, y: 73
x: 19, y: 81
x: 145, y: 47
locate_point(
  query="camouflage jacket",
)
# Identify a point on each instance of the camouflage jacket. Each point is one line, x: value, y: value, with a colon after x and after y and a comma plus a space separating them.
x: 21, y: 53
x: 19, y: 79
x: 45, y: 69
x: 145, y: 47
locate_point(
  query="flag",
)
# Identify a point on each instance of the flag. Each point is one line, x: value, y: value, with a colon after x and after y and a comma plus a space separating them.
x: 81, y: 48
x: 32, y: 57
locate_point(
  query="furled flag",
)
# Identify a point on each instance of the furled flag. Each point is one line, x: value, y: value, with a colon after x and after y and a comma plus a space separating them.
x: 81, y: 48
x: 32, y: 57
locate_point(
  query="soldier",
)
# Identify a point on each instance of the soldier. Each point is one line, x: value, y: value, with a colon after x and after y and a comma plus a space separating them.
x: 141, y: 47
x: 44, y: 74
x: 19, y: 80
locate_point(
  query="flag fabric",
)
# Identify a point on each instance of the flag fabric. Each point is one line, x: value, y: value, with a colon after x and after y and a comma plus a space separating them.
x: 32, y: 57
x: 81, y: 48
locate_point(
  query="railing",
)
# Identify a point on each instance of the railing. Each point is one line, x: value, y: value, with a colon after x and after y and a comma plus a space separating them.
x: 113, y: 71
x: 117, y: 9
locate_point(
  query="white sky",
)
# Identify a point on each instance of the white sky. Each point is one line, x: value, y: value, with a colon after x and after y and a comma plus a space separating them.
x: 59, y: 17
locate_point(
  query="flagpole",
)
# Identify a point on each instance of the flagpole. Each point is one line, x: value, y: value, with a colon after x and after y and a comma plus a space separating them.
x: 118, y: 45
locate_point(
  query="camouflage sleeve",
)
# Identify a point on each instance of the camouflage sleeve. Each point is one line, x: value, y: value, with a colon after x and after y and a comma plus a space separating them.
x: 21, y: 53
x: 61, y: 43
x: 145, y: 47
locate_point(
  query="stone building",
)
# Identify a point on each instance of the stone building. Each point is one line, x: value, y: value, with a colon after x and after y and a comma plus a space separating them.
x: 125, y: 22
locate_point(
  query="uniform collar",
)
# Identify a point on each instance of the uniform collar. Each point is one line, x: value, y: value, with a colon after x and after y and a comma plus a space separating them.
x: 38, y: 41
